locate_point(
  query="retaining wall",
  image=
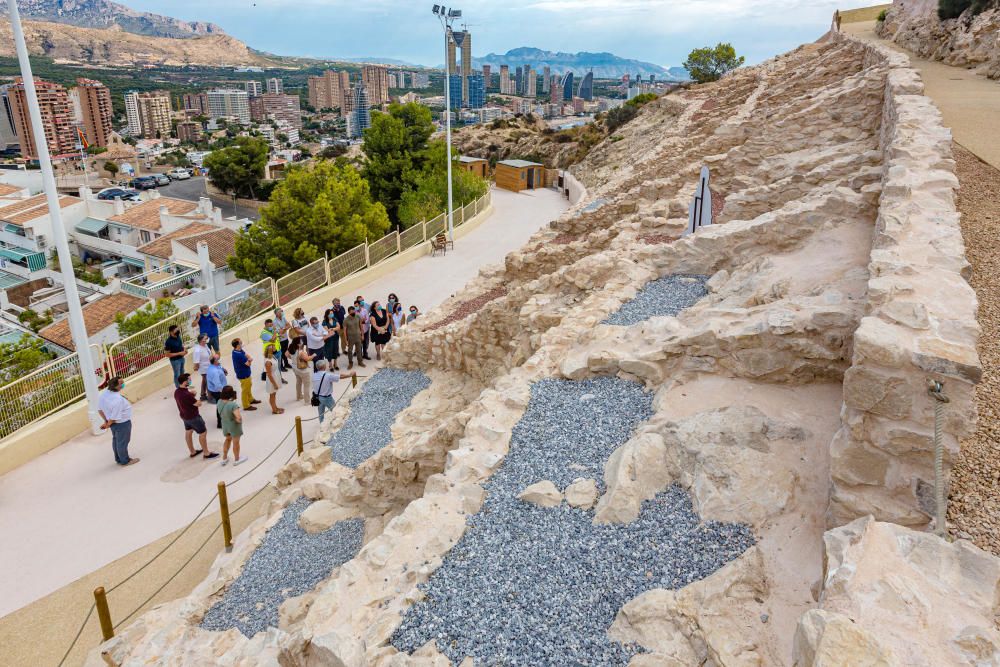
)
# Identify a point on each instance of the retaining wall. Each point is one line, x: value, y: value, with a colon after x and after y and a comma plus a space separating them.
x: 920, y: 321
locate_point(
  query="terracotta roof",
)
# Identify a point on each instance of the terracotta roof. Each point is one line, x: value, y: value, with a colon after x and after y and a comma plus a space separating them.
x: 24, y: 210
x: 221, y: 244
x: 162, y: 247
x: 147, y: 214
x: 8, y: 189
x: 98, y: 315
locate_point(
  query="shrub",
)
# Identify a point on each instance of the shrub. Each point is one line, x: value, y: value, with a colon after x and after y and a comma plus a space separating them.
x: 881, y: 15
x: 618, y: 117
x: 952, y: 9
x: 711, y: 63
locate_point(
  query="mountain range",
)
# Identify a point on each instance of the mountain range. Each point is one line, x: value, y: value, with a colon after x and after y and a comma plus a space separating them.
x: 105, y: 14
x: 604, y: 65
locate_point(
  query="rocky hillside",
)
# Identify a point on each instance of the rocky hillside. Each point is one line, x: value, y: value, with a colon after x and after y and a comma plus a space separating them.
x: 115, y: 46
x: 106, y: 14
x: 972, y: 40
x: 518, y: 138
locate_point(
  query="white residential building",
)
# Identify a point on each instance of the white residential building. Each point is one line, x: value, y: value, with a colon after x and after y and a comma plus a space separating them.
x: 229, y: 103
x: 132, y: 113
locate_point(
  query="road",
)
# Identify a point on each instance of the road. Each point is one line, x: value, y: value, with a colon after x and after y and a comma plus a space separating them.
x: 194, y: 188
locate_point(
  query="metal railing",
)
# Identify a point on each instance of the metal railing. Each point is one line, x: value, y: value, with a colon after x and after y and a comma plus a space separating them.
x: 300, y: 282
x: 158, y: 289
x: 40, y: 393
x: 348, y: 262
x: 385, y: 247
x: 58, y: 384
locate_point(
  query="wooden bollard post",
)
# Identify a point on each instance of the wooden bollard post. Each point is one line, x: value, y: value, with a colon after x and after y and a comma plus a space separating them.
x: 103, y: 613
x: 298, y: 435
x: 354, y: 380
x: 227, y: 527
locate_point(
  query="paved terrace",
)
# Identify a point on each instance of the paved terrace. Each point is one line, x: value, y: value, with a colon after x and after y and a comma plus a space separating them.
x: 73, y: 510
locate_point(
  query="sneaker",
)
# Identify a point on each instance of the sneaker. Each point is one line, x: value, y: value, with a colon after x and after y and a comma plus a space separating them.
x: 251, y: 407
x: 254, y: 402
x: 284, y: 381
x: 239, y: 461
x: 211, y: 455
x: 194, y: 453
x: 131, y: 462
x: 225, y: 462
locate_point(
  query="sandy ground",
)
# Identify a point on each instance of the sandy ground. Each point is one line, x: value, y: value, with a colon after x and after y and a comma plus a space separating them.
x: 974, y: 508
x: 92, y: 512
x: 969, y: 103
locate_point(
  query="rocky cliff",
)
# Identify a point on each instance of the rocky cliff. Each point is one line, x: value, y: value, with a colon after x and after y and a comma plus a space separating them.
x: 105, y: 14
x: 971, y: 40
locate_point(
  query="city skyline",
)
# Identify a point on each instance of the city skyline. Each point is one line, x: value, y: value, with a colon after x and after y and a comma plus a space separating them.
x: 649, y: 30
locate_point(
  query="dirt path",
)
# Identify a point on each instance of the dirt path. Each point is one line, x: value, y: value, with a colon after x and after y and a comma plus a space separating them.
x: 974, y: 508
x: 969, y: 103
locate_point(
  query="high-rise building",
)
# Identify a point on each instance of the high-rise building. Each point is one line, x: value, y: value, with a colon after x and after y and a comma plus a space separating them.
x: 566, y: 86
x: 275, y: 86
x: 148, y: 114
x: 530, y: 82
x: 330, y: 91
x: 8, y: 131
x: 189, y: 131
x: 586, y: 90
x: 284, y: 108
x: 253, y: 88
x: 487, y: 72
x: 132, y: 113
x: 555, y: 92
x: 196, y: 102
x: 360, y: 118
x: 518, y: 80
x: 421, y: 80
x: 57, y: 118
x: 376, y: 80
x: 477, y: 91
x: 229, y: 103
x: 546, y: 73
x: 93, y: 99
x: 578, y: 105
x: 464, y: 41
x: 452, y: 63
x: 393, y: 81
x: 504, y: 80
x: 455, y: 91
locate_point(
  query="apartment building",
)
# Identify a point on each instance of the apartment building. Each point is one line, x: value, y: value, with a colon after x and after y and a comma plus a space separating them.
x: 254, y: 88
x: 284, y: 108
x: 229, y: 103
x: 376, y: 80
x: 330, y: 91
x: 92, y: 101
x: 275, y: 86
x: 57, y: 119
x: 197, y: 102
x: 148, y: 114
x: 189, y: 131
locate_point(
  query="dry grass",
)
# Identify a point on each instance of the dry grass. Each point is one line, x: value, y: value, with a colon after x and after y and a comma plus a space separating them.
x: 862, y: 14
x: 974, y: 507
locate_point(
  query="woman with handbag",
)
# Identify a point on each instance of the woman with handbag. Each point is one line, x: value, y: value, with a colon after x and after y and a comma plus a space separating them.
x: 301, y: 363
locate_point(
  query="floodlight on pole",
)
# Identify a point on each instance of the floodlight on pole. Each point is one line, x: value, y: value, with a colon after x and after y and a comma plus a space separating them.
x: 446, y: 17
x: 77, y: 326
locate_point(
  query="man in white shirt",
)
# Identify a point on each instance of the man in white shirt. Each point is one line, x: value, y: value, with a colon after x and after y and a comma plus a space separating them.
x: 116, y: 412
x: 202, y: 357
x: 316, y: 335
x: 322, y: 382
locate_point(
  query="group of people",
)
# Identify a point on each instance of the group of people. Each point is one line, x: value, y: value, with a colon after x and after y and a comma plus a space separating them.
x: 309, y: 347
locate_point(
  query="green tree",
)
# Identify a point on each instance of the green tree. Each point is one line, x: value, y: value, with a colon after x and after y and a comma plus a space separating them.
x: 427, y: 196
x: 145, y: 317
x: 111, y: 168
x: 395, y: 147
x: 327, y: 208
x: 710, y: 63
x: 20, y: 358
x: 35, y: 321
x: 238, y: 169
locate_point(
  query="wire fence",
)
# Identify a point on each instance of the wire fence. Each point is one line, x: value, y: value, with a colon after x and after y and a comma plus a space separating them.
x: 300, y: 282
x: 58, y: 384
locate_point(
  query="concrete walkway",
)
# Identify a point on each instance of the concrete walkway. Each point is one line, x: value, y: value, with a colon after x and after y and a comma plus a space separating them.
x: 73, y: 510
x: 969, y: 103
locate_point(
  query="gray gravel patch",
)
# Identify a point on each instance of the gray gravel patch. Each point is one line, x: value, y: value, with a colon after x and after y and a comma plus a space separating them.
x: 533, y: 586
x: 668, y: 295
x: 386, y: 393
x: 594, y: 205
x: 289, y: 562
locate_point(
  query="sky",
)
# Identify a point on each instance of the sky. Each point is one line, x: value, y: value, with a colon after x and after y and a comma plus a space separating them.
x: 656, y: 31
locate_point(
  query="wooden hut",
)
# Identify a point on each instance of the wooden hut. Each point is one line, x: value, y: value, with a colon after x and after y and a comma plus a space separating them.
x: 476, y: 165
x: 519, y: 175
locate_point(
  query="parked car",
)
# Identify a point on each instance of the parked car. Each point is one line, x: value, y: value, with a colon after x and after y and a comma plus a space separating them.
x: 162, y: 179
x: 110, y: 194
x: 143, y: 183
x: 179, y: 174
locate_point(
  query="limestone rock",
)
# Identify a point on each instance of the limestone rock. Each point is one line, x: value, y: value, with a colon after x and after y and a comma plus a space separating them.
x: 543, y: 494
x: 825, y: 639
x: 634, y: 472
x: 322, y: 515
x: 335, y: 650
x: 582, y: 493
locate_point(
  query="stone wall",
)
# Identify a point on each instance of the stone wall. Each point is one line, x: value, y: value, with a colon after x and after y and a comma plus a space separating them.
x: 920, y: 323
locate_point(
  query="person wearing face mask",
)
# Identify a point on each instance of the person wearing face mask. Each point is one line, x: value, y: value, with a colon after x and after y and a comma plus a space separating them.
x: 398, y: 319
x: 380, y: 328
x: 116, y: 412
x: 316, y: 336
x: 414, y: 314
x: 187, y: 407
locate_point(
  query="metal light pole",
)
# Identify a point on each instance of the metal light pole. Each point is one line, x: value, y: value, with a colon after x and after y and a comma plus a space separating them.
x: 77, y: 326
x: 447, y: 16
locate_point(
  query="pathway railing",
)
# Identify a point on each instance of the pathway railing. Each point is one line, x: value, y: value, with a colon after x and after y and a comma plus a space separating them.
x: 58, y: 384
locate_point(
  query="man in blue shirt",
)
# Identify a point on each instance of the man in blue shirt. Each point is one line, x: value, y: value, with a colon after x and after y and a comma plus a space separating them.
x: 208, y: 323
x: 216, y: 379
x: 241, y: 366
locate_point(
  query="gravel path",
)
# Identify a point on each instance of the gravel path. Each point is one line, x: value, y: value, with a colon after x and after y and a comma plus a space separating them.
x: 533, y: 586
x: 668, y: 295
x: 386, y: 393
x: 289, y: 562
x: 974, y: 508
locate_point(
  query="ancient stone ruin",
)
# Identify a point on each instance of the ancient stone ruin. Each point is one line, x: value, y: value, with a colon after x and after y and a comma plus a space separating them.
x: 628, y: 447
